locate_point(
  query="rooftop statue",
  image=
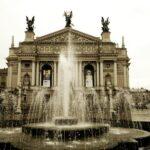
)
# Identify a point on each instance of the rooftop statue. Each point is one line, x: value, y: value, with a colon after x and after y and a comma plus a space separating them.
x: 68, y: 16
x: 30, y: 24
x: 105, y: 24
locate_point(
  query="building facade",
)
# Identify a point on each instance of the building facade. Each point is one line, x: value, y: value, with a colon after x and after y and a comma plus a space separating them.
x: 35, y: 62
x: 107, y: 62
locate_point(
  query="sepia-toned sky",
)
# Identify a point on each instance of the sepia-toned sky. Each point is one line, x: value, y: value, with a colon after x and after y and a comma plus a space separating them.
x: 130, y: 18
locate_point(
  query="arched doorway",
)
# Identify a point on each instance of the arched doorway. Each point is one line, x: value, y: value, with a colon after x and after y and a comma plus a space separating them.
x: 88, y: 76
x: 46, y: 76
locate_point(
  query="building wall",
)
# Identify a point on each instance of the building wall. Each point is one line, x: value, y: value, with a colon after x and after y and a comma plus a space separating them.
x: 3, y: 78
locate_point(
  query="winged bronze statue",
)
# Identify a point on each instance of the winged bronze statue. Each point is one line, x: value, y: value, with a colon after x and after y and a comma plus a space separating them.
x: 105, y: 24
x: 30, y: 24
x: 68, y: 16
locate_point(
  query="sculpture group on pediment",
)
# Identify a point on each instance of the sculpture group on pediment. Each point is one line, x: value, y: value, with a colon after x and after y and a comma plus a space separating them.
x: 105, y: 24
x: 68, y: 16
x: 30, y: 24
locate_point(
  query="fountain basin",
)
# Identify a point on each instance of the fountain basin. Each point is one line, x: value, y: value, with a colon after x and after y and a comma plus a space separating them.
x: 116, y: 138
x: 65, y: 132
x: 65, y: 121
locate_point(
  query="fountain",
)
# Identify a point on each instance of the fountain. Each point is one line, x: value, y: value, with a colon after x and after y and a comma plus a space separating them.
x: 67, y: 120
x: 65, y: 114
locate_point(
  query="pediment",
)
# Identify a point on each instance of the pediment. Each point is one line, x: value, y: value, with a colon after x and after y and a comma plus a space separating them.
x: 66, y: 34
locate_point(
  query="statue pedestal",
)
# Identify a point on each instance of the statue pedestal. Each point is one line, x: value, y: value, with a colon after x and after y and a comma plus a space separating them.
x: 105, y: 37
x: 29, y: 36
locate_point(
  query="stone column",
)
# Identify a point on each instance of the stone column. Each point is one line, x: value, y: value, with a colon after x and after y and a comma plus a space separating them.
x: 55, y: 74
x: 37, y: 73
x: 58, y: 73
x: 76, y: 72
x: 40, y: 78
x: 83, y: 79
x: 19, y: 73
x: 101, y: 74
x: 125, y: 75
x: 115, y: 74
x: 52, y: 82
x: 97, y: 74
x: 33, y: 73
x: 80, y: 73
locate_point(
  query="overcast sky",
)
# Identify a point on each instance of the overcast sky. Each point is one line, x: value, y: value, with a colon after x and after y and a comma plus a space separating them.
x: 130, y: 18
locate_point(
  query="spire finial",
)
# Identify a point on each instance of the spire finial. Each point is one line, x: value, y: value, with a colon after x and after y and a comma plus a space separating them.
x: 12, y: 42
x: 123, y: 45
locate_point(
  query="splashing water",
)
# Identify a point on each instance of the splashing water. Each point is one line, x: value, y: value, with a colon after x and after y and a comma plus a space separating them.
x: 66, y: 101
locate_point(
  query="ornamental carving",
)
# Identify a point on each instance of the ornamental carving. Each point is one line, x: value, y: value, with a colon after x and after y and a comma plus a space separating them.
x: 72, y: 36
x: 25, y: 49
x: 86, y: 49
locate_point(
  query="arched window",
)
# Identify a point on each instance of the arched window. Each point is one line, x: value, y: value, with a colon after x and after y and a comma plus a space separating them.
x: 88, y: 76
x: 46, y: 76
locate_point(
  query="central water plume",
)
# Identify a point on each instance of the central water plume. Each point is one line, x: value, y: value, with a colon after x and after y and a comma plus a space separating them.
x: 66, y: 76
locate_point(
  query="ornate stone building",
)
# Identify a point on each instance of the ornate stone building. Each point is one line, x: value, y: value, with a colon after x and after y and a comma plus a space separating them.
x: 34, y: 63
